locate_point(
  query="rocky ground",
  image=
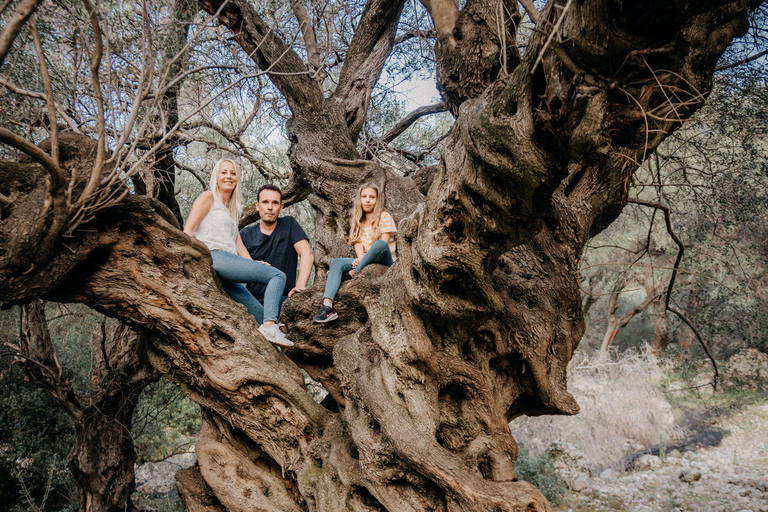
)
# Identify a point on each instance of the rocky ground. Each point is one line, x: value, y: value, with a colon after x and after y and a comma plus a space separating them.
x: 730, y: 477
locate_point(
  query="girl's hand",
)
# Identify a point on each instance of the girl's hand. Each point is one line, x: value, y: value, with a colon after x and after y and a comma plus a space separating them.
x: 264, y: 262
x: 354, y: 263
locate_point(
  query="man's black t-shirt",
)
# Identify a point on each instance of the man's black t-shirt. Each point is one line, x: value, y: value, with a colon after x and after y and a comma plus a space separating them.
x: 276, y: 249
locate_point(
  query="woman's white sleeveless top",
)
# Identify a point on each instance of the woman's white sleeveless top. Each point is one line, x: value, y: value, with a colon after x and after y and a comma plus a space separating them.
x: 218, y: 230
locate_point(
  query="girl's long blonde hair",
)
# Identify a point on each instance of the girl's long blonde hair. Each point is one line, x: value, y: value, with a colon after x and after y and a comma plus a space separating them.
x: 235, y: 206
x: 357, y: 214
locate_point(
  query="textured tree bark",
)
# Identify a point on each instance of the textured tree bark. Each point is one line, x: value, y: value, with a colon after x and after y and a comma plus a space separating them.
x: 475, y: 323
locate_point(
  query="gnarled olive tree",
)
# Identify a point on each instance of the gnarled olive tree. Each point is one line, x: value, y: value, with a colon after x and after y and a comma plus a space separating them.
x: 475, y: 323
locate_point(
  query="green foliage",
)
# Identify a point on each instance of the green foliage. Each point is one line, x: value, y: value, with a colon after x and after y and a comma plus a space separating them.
x: 165, y: 422
x: 541, y: 472
x: 147, y: 503
x: 35, y: 437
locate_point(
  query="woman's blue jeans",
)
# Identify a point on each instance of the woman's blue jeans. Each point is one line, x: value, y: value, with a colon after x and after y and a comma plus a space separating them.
x: 378, y: 253
x: 233, y: 270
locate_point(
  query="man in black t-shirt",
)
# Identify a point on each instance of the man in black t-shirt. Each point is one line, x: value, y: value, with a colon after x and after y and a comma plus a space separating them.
x: 279, y: 241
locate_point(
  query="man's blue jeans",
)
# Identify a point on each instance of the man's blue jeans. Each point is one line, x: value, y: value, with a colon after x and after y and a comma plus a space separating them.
x: 379, y: 253
x: 233, y: 270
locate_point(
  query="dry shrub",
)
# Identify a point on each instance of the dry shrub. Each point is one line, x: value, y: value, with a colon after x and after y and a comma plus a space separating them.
x: 746, y: 371
x: 622, y: 410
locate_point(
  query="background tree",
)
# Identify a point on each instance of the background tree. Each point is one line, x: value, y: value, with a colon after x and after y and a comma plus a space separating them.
x: 711, y: 176
x: 102, y: 456
x: 476, y: 322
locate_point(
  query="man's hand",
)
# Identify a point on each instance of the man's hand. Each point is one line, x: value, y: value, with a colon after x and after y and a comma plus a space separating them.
x: 296, y: 289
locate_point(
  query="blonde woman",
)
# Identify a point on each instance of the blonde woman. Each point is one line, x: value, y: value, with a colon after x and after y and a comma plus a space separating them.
x: 372, y: 232
x: 213, y: 220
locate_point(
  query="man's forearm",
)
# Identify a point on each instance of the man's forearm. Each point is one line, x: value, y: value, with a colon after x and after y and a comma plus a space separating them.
x: 305, y: 269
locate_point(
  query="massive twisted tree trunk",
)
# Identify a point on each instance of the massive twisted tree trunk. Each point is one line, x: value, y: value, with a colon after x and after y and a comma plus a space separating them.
x: 475, y: 323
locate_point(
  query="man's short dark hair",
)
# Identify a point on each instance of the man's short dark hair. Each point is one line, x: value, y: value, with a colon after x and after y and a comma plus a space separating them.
x: 269, y: 186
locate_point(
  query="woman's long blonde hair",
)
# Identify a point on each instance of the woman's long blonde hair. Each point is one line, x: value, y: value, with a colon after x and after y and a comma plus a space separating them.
x: 357, y: 214
x: 235, y: 206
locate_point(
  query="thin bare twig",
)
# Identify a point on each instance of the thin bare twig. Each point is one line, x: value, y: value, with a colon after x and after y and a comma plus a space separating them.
x: 40, y: 96
x: 48, y: 92
x: 14, y: 23
x: 411, y: 34
x: 681, y: 250
x: 551, y: 35
x: 687, y: 322
x: 671, y: 232
x: 742, y: 61
x: 98, y: 163
x: 658, y: 267
x: 193, y: 173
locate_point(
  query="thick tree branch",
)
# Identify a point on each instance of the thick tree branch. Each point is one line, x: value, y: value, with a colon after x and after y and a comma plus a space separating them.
x: 530, y: 8
x: 444, y: 14
x: 475, y: 46
x: 371, y: 45
x: 271, y: 54
x: 310, y: 41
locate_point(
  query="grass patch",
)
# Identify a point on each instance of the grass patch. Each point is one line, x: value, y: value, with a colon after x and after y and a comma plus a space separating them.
x: 540, y: 471
x: 148, y: 503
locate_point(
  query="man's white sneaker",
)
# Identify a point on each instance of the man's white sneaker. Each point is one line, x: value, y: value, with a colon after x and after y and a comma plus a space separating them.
x: 273, y: 334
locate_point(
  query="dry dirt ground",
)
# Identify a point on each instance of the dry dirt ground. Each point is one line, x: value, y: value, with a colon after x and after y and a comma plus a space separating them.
x: 730, y: 477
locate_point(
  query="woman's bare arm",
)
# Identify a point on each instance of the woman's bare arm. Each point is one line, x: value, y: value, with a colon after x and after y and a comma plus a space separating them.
x: 200, y: 209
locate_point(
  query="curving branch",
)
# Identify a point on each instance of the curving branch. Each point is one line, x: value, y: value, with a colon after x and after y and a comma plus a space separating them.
x: 742, y: 61
x: 284, y: 67
x: 680, y: 246
x: 310, y: 41
x: 371, y: 45
x: 693, y: 328
x: 194, y: 173
x: 40, y: 96
x: 530, y: 8
x: 58, y: 177
x: 14, y: 24
x: 48, y: 92
x: 411, y: 118
x: 678, y: 258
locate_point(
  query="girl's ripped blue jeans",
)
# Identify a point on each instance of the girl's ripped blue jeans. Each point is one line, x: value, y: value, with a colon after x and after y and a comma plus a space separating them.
x: 378, y: 253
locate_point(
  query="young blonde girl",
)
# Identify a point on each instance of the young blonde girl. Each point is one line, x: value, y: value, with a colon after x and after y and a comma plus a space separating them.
x: 372, y: 232
x: 213, y: 220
